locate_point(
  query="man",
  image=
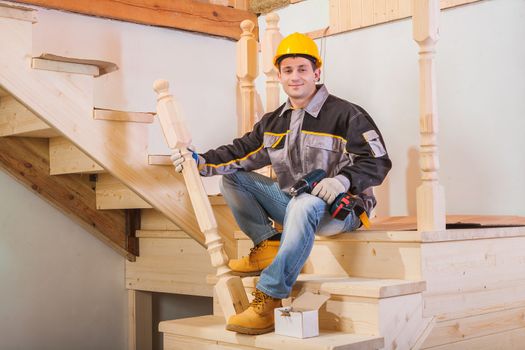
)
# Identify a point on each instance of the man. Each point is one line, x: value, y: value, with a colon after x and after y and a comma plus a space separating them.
x: 312, y: 130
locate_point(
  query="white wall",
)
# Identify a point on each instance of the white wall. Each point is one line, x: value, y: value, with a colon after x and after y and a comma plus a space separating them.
x: 480, y: 83
x: 61, y: 288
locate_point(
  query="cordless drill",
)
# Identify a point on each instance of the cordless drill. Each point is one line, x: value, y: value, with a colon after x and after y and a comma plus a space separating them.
x: 343, y: 204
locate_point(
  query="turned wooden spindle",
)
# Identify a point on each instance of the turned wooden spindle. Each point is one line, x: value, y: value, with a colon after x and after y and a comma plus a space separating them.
x: 272, y: 38
x: 247, y: 71
x: 229, y: 289
x: 431, y: 215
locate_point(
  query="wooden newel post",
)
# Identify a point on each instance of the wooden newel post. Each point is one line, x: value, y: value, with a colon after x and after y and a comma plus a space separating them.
x: 247, y: 71
x: 431, y: 215
x: 272, y: 38
x: 230, y: 291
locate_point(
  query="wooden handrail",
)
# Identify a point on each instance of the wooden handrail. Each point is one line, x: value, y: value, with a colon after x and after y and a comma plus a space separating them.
x: 230, y: 290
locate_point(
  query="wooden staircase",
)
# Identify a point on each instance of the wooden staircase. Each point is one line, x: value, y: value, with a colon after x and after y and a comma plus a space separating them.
x: 391, y: 289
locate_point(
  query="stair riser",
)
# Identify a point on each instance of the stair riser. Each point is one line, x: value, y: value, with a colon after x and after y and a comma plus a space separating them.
x: 397, y: 260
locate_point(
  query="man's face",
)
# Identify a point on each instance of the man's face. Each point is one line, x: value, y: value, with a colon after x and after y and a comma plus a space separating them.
x: 298, y: 77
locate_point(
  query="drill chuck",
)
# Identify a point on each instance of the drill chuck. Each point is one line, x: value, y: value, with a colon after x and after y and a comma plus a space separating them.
x: 307, y: 183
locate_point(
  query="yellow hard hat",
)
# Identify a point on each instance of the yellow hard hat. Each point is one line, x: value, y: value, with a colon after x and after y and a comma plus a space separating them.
x: 298, y: 44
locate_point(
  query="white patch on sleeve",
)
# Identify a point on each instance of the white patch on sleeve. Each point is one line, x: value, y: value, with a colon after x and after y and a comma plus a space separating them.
x: 374, y: 142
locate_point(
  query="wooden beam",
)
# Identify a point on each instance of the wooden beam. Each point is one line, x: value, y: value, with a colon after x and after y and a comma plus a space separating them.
x: 181, y: 14
x: 27, y: 161
x: 140, y: 317
x: 113, y: 194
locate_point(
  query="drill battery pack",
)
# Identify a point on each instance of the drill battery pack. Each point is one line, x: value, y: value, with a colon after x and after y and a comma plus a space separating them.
x: 347, y: 203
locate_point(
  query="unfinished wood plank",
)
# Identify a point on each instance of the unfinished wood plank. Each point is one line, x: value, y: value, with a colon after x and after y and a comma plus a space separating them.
x: 392, y: 10
x: 347, y: 15
x: 64, y: 67
x: 181, y: 14
x: 121, y: 116
x: 66, y: 158
x: 21, y: 13
x: 113, y: 194
x: 3, y: 92
x: 17, y: 120
x: 510, y: 340
x: 152, y: 219
x: 475, y: 326
x: 380, y: 15
x: 212, y: 328
x: 140, y: 323
x: 170, y: 265
x: 89, y: 66
x: 473, y: 276
x: 27, y: 161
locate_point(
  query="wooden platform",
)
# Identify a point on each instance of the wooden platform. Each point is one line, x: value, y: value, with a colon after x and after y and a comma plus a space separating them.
x: 208, y: 332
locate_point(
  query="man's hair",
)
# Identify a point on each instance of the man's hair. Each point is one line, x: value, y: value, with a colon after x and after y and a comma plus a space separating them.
x: 312, y: 60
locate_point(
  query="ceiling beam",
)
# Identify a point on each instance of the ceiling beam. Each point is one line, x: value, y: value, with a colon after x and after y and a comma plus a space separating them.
x: 186, y: 15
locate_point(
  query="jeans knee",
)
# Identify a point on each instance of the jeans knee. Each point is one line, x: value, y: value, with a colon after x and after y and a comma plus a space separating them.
x: 306, y: 205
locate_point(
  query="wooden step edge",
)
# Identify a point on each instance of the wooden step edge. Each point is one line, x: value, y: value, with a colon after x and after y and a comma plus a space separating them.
x: 176, y: 234
x: 376, y: 288
x: 123, y: 116
x: 22, y: 13
x: 212, y: 328
x: 64, y: 64
x: 360, y: 236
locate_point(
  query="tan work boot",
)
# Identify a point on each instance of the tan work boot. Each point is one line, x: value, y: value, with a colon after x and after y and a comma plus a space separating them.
x: 256, y: 319
x: 259, y: 258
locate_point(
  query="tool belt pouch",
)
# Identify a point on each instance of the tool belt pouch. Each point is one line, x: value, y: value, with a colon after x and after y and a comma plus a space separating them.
x: 344, y: 204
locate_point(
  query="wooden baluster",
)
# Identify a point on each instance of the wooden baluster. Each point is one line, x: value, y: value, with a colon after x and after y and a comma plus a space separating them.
x: 247, y: 71
x: 272, y: 38
x: 430, y: 194
x: 229, y: 289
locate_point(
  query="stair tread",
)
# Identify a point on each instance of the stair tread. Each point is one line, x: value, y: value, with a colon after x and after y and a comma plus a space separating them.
x: 213, y: 328
x: 352, y: 286
x: 402, y: 229
x: 15, y: 11
x: 102, y: 67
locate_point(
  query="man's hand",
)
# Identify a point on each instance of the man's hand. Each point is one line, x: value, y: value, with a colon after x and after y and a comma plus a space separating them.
x: 178, y: 159
x: 328, y: 189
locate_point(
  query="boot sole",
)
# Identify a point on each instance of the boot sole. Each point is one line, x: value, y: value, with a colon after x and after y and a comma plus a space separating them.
x: 245, y: 274
x: 250, y: 331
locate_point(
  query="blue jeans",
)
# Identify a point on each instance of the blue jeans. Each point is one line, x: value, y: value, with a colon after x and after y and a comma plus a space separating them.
x: 254, y: 198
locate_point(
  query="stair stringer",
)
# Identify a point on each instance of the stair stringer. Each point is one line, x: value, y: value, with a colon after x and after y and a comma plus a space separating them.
x: 65, y: 102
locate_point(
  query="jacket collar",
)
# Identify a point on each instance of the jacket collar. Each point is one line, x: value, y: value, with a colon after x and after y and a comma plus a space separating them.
x: 315, y: 104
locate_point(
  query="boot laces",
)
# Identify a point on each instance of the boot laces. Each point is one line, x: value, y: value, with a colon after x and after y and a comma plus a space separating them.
x: 260, y: 298
x: 255, y: 249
